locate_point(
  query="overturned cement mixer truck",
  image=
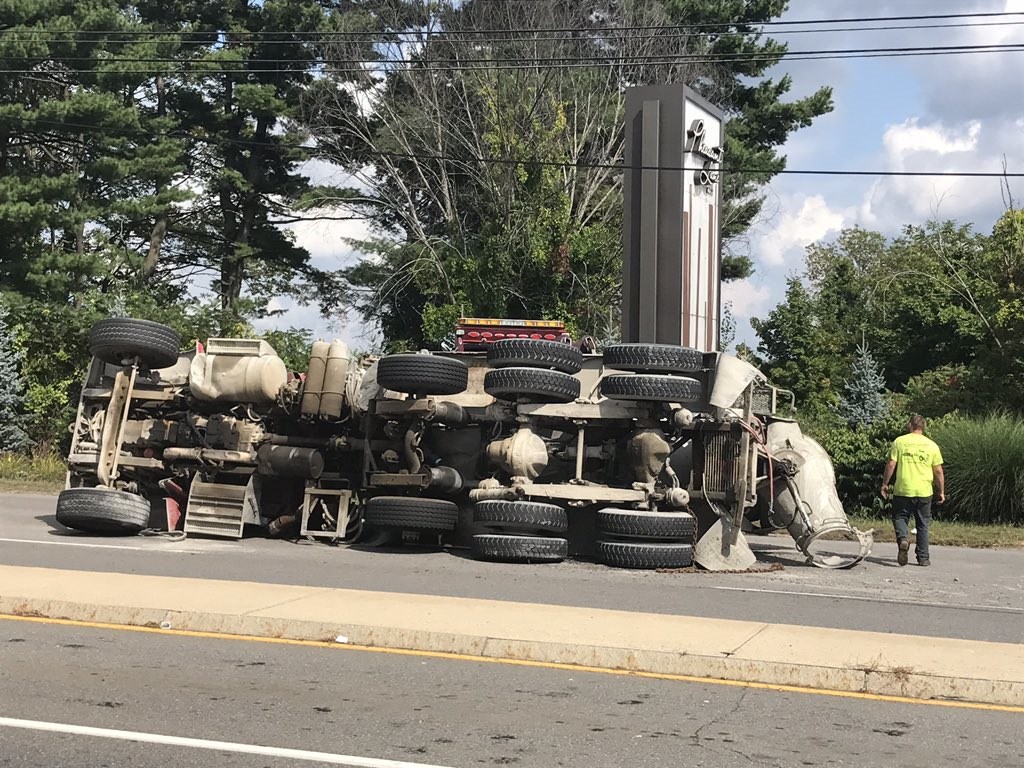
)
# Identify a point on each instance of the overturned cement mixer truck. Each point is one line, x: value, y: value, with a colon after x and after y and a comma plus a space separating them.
x: 527, y: 450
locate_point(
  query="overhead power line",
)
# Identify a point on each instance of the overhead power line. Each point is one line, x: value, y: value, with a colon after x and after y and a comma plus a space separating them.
x: 244, y: 66
x: 511, y: 35
x: 441, y: 158
x: 632, y: 28
x: 625, y: 58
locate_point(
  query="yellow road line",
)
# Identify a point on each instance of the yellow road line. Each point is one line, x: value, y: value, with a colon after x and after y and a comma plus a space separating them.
x: 521, y: 663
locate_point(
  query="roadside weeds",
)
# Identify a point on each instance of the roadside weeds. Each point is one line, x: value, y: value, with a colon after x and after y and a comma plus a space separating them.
x: 951, y: 533
x: 31, y: 474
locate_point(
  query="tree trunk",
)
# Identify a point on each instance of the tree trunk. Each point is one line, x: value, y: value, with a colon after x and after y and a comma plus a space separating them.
x: 159, y: 231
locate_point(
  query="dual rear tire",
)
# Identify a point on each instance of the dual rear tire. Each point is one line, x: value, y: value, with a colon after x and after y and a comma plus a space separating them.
x: 520, y: 532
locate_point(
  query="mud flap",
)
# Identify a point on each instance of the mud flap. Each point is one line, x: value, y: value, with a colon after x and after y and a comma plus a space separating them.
x: 723, y: 548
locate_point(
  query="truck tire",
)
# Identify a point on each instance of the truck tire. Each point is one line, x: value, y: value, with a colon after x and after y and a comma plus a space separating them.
x: 119, y: 338
x: 519, y: 549
x: 658, y: 389
x: 417, y: 374
x: 410, y: 513
x: 522, y: 516
x: 648, y: 556
x: 666, y: 526
x: 535, y: 353
x: 102, y: 510
x: 532, y: 384
x: 661, y: 358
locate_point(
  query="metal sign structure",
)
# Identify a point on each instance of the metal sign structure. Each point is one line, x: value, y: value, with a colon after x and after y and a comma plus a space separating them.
x: 671, y: 226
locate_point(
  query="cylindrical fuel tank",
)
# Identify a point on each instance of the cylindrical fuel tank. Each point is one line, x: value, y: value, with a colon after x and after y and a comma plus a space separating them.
x: 237, y: 378
x: 333, y: 397
x: 286, y: 461
x: 313, y: 386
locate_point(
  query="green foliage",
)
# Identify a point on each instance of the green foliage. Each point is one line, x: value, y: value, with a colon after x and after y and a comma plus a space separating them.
x: 984, y: 465
x: 862, y: 402
x: 941, y: 304
x: 802, y: 349
x: 858, y: 455
x: 942, y: 390
x: 534, y: 229
x: 760, y: 120
x: 12, y: 435
x: 292, y: 346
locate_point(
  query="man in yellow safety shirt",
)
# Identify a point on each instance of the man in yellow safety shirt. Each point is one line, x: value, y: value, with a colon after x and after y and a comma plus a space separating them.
x: 919, y: 476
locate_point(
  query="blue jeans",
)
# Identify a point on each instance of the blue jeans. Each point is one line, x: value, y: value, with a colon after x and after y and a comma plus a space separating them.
x: 921, y: 509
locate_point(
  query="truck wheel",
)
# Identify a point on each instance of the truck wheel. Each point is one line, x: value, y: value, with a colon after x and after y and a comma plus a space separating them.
x: 535, y: 353
x: 627, y: 554
x: 117, y: 339
x: 102, y: 510
x: 524, y: 516
x: 625, y: 524
x: 417, y: 374
x: 532, y: 384
x: 519, y: 549
x: 410, y: 513
x: 663, y: 358
x: 658, y: 389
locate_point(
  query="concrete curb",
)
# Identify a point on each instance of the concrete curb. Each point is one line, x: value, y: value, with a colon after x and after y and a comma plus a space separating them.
x: 742, y: 651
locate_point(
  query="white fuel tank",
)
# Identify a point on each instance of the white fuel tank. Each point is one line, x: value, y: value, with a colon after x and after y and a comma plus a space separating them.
x: 256, y: 376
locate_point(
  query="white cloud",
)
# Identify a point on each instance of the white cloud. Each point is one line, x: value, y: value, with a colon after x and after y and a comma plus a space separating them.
x: 747, y: 299
x: 939, y: 147
x: 328, y: 241
x: 910, y: 137
x: 796, y: 228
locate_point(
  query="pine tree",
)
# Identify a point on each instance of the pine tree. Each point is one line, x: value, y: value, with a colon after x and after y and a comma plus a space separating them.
x: 862, y: 402
x: 12, y: 436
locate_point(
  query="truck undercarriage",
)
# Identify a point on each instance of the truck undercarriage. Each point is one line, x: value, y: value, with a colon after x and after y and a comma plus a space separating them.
x: 643, y: 456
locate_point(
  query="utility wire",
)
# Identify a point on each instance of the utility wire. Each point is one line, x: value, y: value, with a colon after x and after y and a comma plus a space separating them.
x: 543, y: 60
x: 523, y: 35
x: 148, y: 136
x: 201, y: 67
x: 707, y: 26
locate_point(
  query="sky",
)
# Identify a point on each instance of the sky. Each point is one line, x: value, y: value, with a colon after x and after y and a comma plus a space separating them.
x: 932, y: 113
x: 929, y: 113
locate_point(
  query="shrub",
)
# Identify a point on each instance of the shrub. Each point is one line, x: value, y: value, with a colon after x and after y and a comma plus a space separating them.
x: 858, y: 456
x: 12, y: 434
x: 984, y: 463
x: 940, y: 391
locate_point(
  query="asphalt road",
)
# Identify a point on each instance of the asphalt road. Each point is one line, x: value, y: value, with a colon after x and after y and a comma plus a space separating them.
x: 971, y: 594
x: 420, y: 709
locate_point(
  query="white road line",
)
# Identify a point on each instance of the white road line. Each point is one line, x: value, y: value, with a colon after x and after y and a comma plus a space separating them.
x: 156, y: 548
x: 866, y: 599
x: 220, y: 746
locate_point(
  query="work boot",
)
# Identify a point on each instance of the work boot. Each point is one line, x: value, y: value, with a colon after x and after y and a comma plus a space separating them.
x: 904, y: 545
x: 924, y: 561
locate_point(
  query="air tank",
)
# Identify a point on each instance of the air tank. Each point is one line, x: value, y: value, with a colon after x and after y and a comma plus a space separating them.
x: 313, y: 386
x: 332, y: 397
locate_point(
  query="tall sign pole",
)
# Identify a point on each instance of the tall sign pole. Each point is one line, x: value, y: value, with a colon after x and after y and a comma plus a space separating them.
x: 672, y: 261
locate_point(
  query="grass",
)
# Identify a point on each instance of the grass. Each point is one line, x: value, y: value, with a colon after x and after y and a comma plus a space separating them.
x: 951, y: 533
x: 31, y: 474
x: 984, y: 463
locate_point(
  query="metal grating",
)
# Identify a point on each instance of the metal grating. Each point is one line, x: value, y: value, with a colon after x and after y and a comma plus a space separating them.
x: 764, y: 401
x: 215, y: 509
x: 719, y: 463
